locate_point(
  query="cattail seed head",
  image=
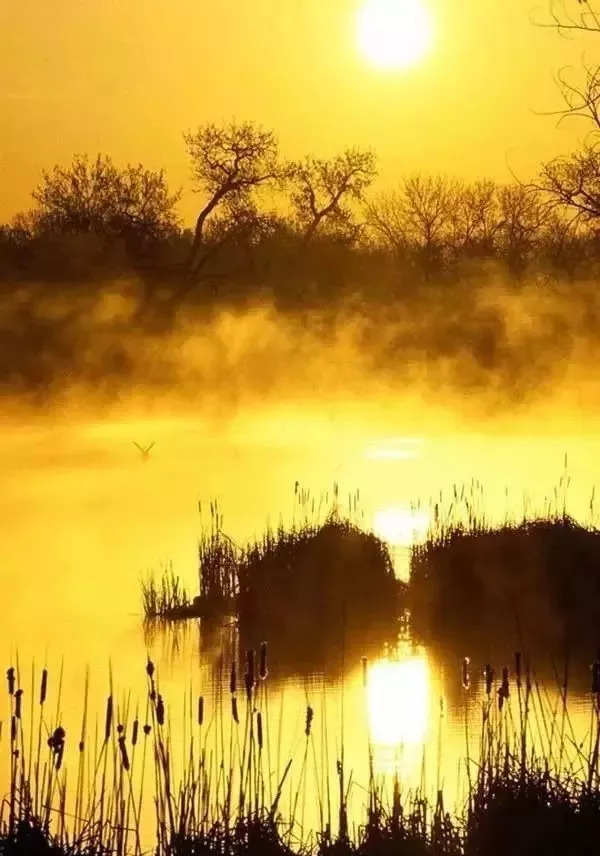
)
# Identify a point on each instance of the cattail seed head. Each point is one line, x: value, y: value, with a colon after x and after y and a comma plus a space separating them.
x: 200, y: 710
x: 149, y: 668
x: 160, y: 710
x: 44, y: 686
x: 234, y: 709
x: 147, y: 729
x: 123, y: 752
x: 18, y: 697
x: 309, y: 718
x: 120, y: 728
x: 233, y: 679
x: 134, y: 733
x: 263, y: 670
x: 108, y: 719
x: 13, y: 729
x: 81, y: 745
x: 259, y: 729
x: 249, y: 684
x: 10, y: 677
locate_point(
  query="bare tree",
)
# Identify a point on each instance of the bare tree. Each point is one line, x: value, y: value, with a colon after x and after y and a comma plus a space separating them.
x: 523, y: 213
x: 581, y: 96
x: 475, y: 218
x: 427, y: 201
x: 96, y: 196
x: 573, y: 181
x: 229, y: 164
x: 568, y: 16
x: 386, y: 219
x: 323, y: 188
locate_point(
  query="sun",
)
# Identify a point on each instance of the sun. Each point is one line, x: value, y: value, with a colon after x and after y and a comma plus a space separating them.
x: 394, y: 33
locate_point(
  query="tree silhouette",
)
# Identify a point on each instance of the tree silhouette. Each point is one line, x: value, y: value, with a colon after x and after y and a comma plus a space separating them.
x: 416, y: 216
x: 573, y: 181
x: 132, y: 203
x: 321, y: 189
x: 229, y: 164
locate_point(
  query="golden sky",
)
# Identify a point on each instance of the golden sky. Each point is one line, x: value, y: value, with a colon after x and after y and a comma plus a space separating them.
x: 127, y: 77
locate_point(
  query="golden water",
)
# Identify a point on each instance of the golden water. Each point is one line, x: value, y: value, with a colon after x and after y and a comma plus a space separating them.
x: 84, y: 517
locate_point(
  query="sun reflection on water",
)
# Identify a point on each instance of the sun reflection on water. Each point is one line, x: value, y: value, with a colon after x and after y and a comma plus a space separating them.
x: 398, y: 701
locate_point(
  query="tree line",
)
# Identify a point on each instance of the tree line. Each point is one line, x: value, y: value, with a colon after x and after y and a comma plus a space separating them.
x: 250, y: 196
x: 262, y: 218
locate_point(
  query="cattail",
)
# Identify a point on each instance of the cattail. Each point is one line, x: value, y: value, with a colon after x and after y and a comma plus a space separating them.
x: 249, y: 685
x: 81, y: 745
x: 234, y: 709
x: 233, y: 679
x: 200, y: 710
x: 364, y: 670
x: 488, y: 674
x: 44, y: 686
x: 259, y: 729
x: 123, y: 751
x: 309, y: 718
x: 18, y: 697
x: 263, y: 670
x: 149, y: 668
x: 466, y: 676
x: 147, y: 729
x: 134, y: 732
x: 518, y: 668
x: 13, y: 729
x: 596, y: 677
x: 120, y: 729
x: 108, y: 719
x: 10, y: 676
x: 160, y: 710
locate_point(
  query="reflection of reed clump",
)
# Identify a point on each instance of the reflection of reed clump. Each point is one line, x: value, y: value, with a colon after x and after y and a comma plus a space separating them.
x: 318, y: 593
x: 479, y: 585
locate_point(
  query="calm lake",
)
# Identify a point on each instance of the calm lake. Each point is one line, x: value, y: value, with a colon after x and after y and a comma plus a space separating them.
x: 84, y: 518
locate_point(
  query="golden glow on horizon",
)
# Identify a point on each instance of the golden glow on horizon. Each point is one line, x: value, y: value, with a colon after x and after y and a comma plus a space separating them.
x: 394, y: 34
x: 400, y: 527
x: 398, y: 701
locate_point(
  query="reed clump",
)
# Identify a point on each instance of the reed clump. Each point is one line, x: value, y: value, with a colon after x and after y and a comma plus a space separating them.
x: 318, y: 592
x: 165, y: 595
x: 474, y: 584
x: 319, y: 587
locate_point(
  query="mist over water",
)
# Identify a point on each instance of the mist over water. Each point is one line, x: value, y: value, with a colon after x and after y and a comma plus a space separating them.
x: 487, y: 347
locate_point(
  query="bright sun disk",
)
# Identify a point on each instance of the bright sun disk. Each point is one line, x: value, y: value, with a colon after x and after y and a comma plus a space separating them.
x: 394, y: 33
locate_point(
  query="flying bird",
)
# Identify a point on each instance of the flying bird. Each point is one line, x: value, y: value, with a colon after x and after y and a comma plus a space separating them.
x: 145, y: 451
